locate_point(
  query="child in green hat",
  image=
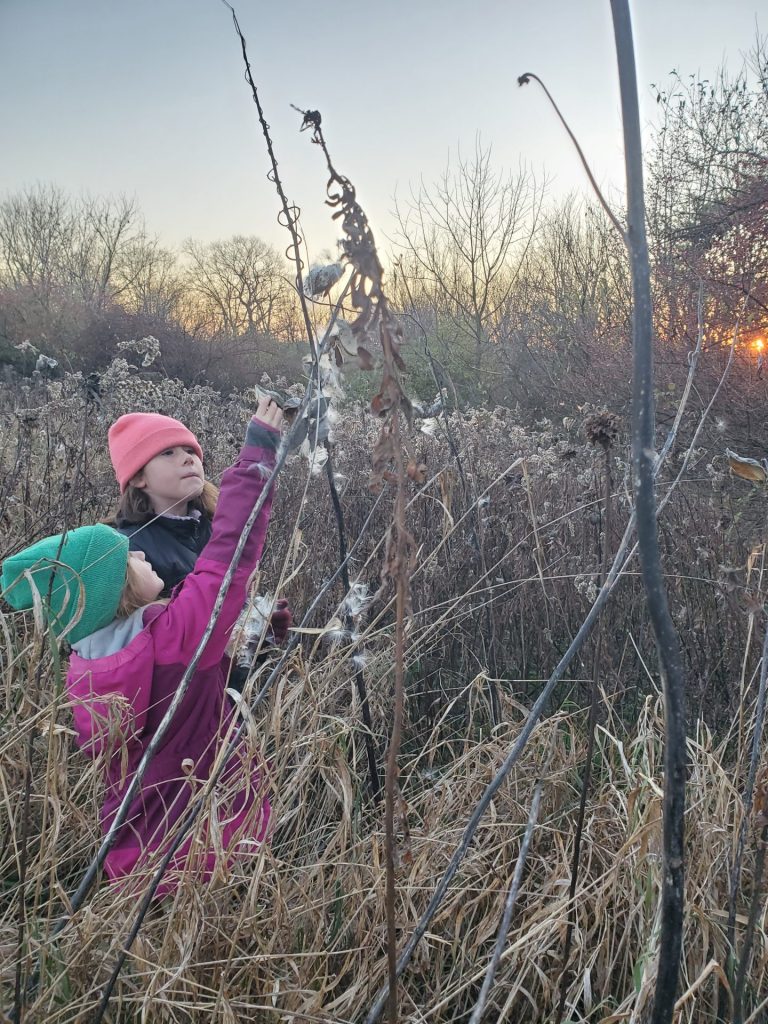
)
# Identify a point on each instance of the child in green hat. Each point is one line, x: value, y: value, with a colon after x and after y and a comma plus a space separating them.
x: 129, y: 653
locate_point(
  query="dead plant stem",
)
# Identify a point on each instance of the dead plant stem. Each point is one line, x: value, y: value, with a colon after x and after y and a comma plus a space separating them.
x: 362, y: 692
x: 514, y: 888
x: 594, y: 705
x: 643, y: 459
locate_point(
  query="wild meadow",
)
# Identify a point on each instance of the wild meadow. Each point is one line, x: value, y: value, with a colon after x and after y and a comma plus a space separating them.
x: 509, y: 530
x: 466, y: 499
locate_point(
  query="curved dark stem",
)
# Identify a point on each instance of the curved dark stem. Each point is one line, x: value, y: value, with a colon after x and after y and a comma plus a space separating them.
x: 290, y: 213
x: 586, y: 781
x: 672, y: 899
x: 362, y: 692
x: 524, y: 80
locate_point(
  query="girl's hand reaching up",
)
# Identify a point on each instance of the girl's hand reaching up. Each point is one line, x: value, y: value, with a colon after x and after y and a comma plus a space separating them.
x: 269, y: 413
x: 264, y: 428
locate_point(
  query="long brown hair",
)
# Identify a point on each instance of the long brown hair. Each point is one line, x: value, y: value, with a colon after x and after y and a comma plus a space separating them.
x: 135, y: 506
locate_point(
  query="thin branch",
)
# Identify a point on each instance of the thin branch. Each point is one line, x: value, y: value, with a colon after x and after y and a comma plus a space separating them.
x: 290, y: 211
x: 514, y: 889
x: 524, y: 79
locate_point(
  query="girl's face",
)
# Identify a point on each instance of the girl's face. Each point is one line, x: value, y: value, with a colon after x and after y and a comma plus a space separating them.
x: 146, y: 584
x: 171, y: 480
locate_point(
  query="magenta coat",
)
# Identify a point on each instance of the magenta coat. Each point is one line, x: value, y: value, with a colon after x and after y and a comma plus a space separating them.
x: 120, y: 691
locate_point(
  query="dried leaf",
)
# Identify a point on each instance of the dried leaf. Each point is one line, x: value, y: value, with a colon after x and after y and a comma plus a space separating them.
x: 761, y: 798
x: 754, y: 603
x: 365, y: 359
x: 381, y: 404
x: 747, y: 469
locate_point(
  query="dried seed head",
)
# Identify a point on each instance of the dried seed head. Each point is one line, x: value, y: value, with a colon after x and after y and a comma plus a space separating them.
x: 602, y: 428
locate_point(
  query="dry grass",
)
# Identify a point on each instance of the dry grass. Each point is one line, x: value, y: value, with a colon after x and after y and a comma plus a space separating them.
x: 299, y: 934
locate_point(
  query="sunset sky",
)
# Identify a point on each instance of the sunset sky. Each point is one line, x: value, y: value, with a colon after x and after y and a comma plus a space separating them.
x: 147, y: 97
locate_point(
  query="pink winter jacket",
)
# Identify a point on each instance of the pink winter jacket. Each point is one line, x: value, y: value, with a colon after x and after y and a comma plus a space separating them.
x: 120, y: 697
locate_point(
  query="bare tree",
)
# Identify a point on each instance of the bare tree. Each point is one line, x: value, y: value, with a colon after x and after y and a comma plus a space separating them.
x: 104, y: 231
x: 576, y: 277
x: 153, y: 284
x: 35, y: 237
x: 464, y: 240
x: 59, y: 249
x: 237, y: 287
x: 708, y: 194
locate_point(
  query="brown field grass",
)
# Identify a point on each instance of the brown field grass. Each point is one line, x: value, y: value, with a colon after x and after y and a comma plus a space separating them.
x: 509, y: 546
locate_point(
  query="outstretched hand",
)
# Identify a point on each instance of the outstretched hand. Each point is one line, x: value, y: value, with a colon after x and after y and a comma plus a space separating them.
x: 269, y: 412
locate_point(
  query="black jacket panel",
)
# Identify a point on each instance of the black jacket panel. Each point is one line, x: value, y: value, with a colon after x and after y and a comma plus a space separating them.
x: 171, y: 545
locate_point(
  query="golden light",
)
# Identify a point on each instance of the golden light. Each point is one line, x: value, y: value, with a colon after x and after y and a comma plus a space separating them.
x: 759, y: 344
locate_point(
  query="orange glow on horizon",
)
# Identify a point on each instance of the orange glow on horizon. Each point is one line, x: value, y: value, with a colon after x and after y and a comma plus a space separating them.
x: 759, y: 344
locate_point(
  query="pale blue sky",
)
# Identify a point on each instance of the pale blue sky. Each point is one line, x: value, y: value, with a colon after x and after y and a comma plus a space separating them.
x: 147, y: 98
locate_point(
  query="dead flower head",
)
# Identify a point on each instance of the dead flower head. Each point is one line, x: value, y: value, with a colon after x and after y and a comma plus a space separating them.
x: 602, y: 428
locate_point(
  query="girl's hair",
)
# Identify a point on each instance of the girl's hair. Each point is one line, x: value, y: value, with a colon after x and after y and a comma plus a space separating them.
x: 135, y: 507
x: 130, y: 599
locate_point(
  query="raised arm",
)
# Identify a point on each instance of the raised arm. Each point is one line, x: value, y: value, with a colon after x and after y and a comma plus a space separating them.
x: 178, y: 627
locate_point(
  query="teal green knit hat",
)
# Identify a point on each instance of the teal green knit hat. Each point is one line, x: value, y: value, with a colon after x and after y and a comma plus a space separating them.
x: 88, y: 570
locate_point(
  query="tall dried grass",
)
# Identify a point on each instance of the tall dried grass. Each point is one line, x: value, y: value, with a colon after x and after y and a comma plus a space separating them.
x: 300, y: 933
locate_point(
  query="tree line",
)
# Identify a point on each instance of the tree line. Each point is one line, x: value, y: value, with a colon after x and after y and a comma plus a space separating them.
x: 505, y: 296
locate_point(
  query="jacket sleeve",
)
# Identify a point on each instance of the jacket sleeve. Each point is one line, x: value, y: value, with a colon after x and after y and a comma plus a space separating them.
x: 111, y: 697
x: 179, y: 627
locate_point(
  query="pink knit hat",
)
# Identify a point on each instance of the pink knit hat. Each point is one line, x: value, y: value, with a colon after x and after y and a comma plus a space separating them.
x: 140, y: 436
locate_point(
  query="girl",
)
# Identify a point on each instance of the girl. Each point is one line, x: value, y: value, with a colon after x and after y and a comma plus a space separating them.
x: 167, y: 504
x: 129, y: 655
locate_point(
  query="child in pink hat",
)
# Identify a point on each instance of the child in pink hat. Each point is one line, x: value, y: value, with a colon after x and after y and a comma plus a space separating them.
x: 167, y: 504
